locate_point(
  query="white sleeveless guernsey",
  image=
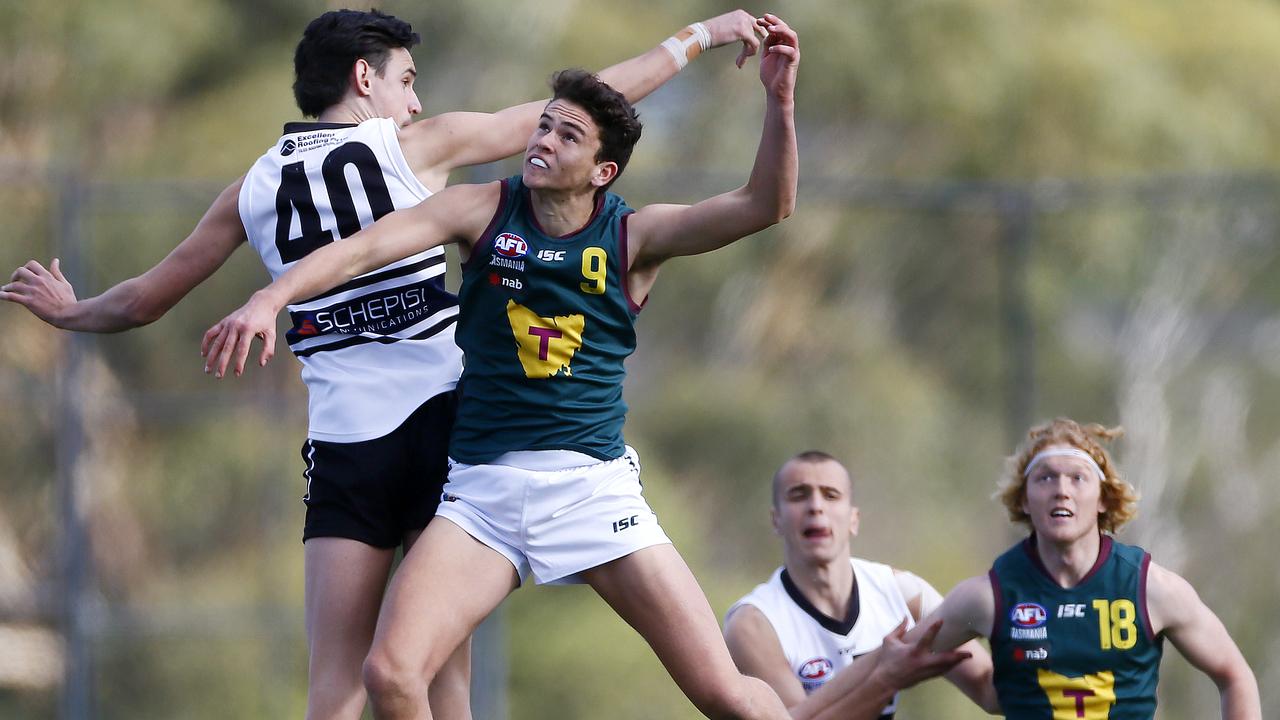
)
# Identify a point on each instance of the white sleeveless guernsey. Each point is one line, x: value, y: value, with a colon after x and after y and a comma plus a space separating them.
x: 377, y: 347
x: 817, y: 646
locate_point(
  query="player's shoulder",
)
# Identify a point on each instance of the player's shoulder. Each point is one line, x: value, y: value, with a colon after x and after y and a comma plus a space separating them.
x: 1169, y: 596
x: 747, y: 623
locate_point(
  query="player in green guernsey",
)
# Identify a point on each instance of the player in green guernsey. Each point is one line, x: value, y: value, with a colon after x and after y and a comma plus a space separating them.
x: 555, y: 271
x: 1077, y: 620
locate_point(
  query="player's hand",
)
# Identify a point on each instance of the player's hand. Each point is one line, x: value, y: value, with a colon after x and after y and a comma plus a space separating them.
x: 780, y: 58
x: 227, y: 342
x: 46, y: 293
x: 736, y: 26
x: 902, y: 664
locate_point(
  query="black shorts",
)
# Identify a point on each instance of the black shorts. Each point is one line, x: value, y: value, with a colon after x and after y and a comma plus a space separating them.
x: 378, y: 490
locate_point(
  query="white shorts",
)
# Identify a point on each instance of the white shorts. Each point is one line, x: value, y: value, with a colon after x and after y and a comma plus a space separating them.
x: 554, y: 523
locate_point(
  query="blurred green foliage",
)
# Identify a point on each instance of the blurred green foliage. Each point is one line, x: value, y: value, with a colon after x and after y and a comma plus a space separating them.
x: 1141, y: 137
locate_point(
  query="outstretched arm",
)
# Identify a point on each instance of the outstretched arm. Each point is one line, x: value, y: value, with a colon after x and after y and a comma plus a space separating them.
x: 1176, y: 610
x: 858, y: 692
x: 456, y: 214
x: 138, y: 300
x: 863, y: 689
x: 437, y: 145
x: 973, y: 677
x: 659, y: 232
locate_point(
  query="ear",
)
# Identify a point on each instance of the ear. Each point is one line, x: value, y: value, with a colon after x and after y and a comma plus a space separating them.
x: 773, y: 520
x: 362, y: 77
x: 853, y: 522
x: 604, y: 173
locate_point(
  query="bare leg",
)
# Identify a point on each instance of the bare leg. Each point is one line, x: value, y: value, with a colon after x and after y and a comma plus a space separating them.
x: 653, y: 590
x: 446, y: 585
x: 450, y: 691
x: 344, y: 584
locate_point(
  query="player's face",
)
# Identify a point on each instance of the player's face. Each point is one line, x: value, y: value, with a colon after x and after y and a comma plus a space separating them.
x: 392, y: 91
x: 814, y: 511
x: 561, y: 154
x: 1063, y: 499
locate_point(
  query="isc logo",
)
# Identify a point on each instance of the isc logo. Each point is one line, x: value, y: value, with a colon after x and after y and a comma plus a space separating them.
x: 551, y: 255
x: 625, y: 523
x: 510, y: 245
x: 1071, y: 611
x: 1028, y: 615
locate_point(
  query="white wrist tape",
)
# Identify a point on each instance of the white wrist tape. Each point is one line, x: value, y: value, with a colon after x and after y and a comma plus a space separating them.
x: 682, y: 44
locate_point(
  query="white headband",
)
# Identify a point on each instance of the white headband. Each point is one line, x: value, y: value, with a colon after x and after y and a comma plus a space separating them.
x: 1064, y: 452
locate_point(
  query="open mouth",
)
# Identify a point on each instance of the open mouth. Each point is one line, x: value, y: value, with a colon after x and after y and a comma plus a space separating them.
x: 538, y: 162
x: 816, y: 533
x: 1061, y: 513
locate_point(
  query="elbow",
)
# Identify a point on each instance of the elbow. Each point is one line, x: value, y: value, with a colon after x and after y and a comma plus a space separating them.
x: 139, y: 311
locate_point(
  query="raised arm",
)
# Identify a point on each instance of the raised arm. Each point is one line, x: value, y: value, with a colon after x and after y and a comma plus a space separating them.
x: 1177, y: 610
x: 138, y: 300
x: 437, y: 145
x: 659, y: 232
x: 456, y: 214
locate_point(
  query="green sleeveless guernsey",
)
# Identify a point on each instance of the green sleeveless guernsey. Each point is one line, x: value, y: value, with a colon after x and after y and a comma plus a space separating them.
x: 545, y: 324
x: 1082, y: 652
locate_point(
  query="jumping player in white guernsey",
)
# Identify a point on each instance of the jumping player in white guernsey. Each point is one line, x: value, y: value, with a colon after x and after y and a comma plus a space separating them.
x: 823, y: 610
x: 378, y: 354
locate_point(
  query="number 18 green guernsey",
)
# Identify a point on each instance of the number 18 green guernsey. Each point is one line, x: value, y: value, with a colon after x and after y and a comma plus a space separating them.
x: 1086, y: 652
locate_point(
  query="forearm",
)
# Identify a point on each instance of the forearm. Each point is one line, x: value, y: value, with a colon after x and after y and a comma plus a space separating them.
x: 855, y: 692
x: 1240, y: 699
x: 116, y: 310
x: 771, y: 189
x: 641, y: 75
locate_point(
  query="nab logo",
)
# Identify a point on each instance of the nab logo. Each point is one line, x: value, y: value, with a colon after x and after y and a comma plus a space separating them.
x: 288, y: 147
x: 1036, y: 654
x: 551, y: 255
x: 510, y: 245
x: 1028, y: 615
x: 512, y: 283
x: 815, y: 670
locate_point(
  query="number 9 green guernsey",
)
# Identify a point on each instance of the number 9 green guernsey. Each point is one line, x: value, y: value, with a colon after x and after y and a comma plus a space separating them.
x: 1081, y: 652
x: 545, y: 325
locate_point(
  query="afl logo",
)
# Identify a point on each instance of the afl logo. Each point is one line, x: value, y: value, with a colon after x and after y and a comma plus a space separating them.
x: 510, y: 245
x: 1028, y: 615
x: 288, y: 147
x: 816, y: 670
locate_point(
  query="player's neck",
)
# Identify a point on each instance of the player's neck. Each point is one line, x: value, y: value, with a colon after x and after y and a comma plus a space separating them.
x: 1069, y: 562
x: 828, y: 586
x: 562, y: 212
x: 348, y: 111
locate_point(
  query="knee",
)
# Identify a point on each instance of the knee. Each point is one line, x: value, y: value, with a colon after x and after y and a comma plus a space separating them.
x: 388, y: 679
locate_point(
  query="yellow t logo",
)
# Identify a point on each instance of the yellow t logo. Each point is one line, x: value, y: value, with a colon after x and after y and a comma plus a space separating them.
x: 545, y: 346
x: 1089, y: 697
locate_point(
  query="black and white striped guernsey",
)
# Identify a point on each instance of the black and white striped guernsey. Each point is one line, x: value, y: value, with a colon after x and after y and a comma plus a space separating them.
x: 377, y: 347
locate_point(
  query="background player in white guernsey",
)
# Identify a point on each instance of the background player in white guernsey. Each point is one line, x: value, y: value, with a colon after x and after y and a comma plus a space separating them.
x: 378, y: 354
x: 823, y: 609
x: 556, y: 272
